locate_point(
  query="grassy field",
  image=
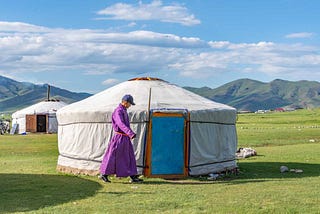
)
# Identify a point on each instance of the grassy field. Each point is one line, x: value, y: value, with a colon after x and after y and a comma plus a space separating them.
x: 30, y: 183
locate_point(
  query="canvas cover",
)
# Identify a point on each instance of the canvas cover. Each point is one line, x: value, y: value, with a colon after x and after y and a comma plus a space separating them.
x: 45, y: 107
x: 84, y: 127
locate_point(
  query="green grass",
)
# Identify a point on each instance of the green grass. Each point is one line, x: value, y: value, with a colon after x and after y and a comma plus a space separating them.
x: 282, y: 128
x: 30, y: 183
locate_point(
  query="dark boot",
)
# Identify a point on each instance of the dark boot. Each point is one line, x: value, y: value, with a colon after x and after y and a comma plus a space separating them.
x: 104, y: 178
x: 135, y: 179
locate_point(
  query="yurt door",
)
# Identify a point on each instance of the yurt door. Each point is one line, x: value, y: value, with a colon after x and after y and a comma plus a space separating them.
x: 167, y: 154
x: 31, y: 123
x: 42, y: 123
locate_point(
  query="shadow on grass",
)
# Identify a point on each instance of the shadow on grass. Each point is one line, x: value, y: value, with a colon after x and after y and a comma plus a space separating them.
x: 251, y: 172
x: 264, y: 171
x: 27, y: 192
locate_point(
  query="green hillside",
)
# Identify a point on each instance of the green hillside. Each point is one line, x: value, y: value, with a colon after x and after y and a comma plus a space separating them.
x: 252, y: 95
x: 15, y: 95
x: 243, y: 94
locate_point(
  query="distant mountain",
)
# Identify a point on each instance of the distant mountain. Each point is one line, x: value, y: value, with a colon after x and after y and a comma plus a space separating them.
x: 243, y: 94
x: 252, y: 95
x: 16, y: 95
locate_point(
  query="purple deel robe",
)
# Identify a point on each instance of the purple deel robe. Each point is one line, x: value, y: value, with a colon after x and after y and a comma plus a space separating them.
x: 119, y: 158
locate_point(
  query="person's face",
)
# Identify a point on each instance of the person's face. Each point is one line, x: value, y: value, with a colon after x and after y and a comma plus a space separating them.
x: 126, y: 104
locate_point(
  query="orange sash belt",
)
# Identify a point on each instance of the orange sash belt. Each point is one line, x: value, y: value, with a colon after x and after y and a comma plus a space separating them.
x: 122, y: 133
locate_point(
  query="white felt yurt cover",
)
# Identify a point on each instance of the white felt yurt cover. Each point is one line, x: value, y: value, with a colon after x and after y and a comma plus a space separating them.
x: 45, y: 107
x: 85, y: 128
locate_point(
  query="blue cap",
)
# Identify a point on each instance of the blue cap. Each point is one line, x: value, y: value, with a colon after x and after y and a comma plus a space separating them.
x: 128, y: 98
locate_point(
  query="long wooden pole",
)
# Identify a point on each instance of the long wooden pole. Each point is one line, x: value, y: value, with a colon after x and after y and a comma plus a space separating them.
x: 147, y: 170
x: 48, y: 93
x: 149, y: 105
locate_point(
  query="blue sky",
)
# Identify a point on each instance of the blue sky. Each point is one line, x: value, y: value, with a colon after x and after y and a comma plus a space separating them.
x: 90, y: 45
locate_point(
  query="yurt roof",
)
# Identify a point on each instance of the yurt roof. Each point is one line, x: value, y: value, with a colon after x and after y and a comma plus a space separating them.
x: 43, y: 107
x: 163, y: 95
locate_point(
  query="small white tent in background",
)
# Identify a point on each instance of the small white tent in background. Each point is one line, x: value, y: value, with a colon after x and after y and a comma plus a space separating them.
x: 179, y: 133
x: 40, y: 117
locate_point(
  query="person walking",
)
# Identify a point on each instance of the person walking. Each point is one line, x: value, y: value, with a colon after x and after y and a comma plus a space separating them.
x: 119, y: 158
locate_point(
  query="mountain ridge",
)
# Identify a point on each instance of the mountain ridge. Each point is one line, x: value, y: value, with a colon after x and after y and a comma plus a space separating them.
x: 16, y: 95
x: 243, y: 94
x: 253, y: 95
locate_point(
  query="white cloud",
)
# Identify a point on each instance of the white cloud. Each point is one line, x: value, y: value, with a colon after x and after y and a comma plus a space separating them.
x: 219, y: 44
x: 300, y: 35
x: 97, y: 52
x: 20, y: 27
x: 267, y: 58
x: 111, y: 81
x: 174, y: 13
x: 132, y: 24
